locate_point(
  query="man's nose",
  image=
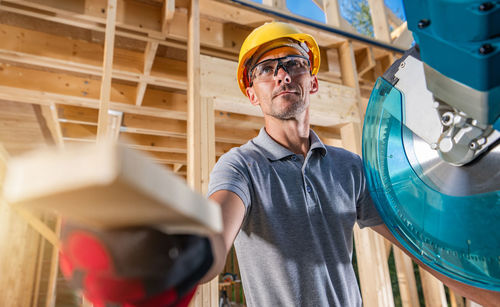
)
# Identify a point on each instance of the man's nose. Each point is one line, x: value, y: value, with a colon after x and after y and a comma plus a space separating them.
x: 281, y: 75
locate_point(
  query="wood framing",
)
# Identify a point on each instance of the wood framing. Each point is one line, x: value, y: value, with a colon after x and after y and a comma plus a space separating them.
x: 105, y: 92
x: 159, y: 77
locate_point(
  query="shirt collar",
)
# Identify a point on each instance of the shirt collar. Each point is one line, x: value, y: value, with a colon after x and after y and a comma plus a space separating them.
x: 275, y: 151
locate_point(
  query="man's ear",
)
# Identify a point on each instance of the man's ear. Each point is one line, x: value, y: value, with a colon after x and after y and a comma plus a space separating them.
x: 251, y: 96
x: 314, y: 85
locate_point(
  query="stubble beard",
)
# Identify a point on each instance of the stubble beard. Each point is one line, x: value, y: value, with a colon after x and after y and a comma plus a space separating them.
x: 295, y: 105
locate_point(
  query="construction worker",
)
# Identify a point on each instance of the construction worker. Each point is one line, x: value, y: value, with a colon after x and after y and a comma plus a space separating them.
x: 289, y: 204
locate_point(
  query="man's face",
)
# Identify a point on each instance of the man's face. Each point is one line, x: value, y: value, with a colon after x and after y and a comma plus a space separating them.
x: 285, y: 95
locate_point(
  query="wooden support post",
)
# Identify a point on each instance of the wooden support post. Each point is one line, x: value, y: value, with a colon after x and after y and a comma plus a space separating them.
x: 469, y: 303
x: 107, y: 67
x: 279, y: 4
x: 149, y: 56
x: 49, y: 112
x: 434, y: 294
x: 371, y: 256
x: 167, y: 14
x: 114, y: 124
x: 332, y: 12
x: 54, y: 268
x: 456, y: 300
x: 200, y: 138
x: 379, y: 18
x: 406, y: 279
x: 18, y: 250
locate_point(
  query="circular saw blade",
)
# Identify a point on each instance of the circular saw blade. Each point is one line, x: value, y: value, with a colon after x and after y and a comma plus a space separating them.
x: 445, y: 216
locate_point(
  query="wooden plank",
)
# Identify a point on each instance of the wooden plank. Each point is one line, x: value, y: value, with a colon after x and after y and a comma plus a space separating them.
x: 406, y: 279
x: 168, y: 10
x: 17, y: 251
x: 455, y: 299
x: 105, y: 93
x: 379, y: 18
x: 200, y: 137
x: 278, y: 4
x: 49, y: 112
x: 106, y: 186
x: 332, y: 12
x: 149, y: 56
x: 114, y: 124
x: 54, y: 267
x: 194, y: 132
x: 434, y: 295
x: 14, y: 94
x: 371, y: 257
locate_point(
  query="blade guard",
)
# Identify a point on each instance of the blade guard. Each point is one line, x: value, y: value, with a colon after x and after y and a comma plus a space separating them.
x: 456, y: 236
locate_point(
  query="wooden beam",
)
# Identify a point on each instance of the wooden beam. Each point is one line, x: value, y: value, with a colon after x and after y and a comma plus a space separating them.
x: 371, y: 257
x: 54, y: 267
x: 434, y: 295
x: 393, y: 20
x: 114, y: 124
x: 200, y: 136
x: 106, y: 187
x: 14, y: 94
x: 455, y: 299
x: 39, y: 226
x: 399, y: 30
x: 379, y: 18
x: 49, y: 112
x: 177, y: 167
x: 332, y: 12
x: 105, y: 93
x: 149, y: 56
x: 406, y: 279
x: 168, y: 10
x: 278, y: 4
x: 194, y: 132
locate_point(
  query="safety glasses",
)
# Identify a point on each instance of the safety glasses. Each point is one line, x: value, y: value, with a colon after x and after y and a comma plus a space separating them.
x: 293, y: 65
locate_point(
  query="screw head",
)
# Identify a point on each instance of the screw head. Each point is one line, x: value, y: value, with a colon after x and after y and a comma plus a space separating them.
x: 486, y: 6
x: 424, y: 23
x: 486, y: 49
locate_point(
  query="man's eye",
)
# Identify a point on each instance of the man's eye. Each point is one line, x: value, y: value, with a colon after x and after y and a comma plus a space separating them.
x: 266, y: 69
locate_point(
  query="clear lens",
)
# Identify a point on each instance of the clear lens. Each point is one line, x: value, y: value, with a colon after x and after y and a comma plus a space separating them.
x: 293, y: 65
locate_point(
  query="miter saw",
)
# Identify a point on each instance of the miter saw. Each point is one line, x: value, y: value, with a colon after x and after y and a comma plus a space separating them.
x: 430, y: 140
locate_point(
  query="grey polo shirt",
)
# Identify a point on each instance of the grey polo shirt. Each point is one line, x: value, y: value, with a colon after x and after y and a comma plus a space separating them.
x: 295, y: 245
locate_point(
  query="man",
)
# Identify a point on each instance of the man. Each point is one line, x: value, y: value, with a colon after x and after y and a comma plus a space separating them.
x: 289, y: 202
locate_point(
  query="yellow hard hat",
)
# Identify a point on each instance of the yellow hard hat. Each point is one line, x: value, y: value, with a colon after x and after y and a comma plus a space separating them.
x: 269, y: 32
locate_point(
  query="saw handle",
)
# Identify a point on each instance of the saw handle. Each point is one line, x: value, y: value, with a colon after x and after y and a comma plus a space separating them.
x: 137, y: 266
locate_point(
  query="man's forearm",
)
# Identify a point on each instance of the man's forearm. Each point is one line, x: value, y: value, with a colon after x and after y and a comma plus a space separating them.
x: 219, y: 252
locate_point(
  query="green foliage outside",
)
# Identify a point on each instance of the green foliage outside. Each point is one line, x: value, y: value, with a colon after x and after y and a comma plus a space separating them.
x: 357, y: 13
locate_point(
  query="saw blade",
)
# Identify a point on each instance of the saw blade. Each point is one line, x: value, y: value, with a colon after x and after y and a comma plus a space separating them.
x: 445, y: 216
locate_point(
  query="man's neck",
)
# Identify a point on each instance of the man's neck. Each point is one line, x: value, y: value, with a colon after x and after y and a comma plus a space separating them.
x: 292, y: 134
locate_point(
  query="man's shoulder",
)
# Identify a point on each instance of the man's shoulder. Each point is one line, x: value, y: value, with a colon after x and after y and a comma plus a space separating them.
x: 341, y: 154
x: 245, y: 152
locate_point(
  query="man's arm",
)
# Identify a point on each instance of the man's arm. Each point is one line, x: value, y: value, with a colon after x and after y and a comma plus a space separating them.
x: 233, y: 212
x: 481, y: 296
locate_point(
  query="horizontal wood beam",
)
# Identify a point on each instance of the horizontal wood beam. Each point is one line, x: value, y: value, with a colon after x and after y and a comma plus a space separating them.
x: 8, y: 93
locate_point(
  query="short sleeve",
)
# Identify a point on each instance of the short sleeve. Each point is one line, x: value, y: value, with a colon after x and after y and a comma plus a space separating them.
x: 230, y: 174
x: 367, y: 213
